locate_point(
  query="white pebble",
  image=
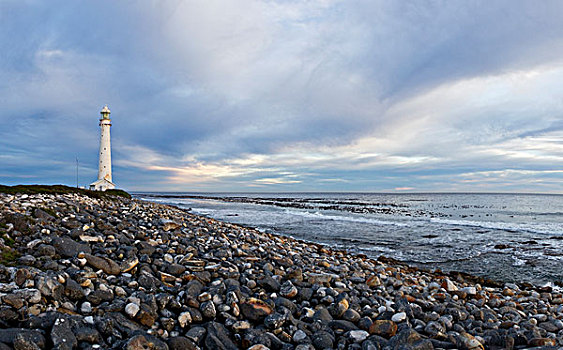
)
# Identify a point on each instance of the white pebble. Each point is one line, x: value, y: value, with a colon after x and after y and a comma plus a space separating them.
x: 399, y: 317
x: 132, y: 309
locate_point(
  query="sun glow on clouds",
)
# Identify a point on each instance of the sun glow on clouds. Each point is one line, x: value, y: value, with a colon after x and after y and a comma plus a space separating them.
x: 276, y: 181
x: 424, y: 132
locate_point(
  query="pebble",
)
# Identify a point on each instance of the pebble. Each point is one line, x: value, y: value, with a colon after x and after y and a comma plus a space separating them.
x: 132, y: 309
x: 399, y: 317
x: 86, y: 308
x: 358, y: 336
x: 299, y: 336
x: 184, y: 319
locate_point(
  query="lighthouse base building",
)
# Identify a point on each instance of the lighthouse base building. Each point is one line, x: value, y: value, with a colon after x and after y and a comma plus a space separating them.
x: 102, y: 185
x: 104, y: 181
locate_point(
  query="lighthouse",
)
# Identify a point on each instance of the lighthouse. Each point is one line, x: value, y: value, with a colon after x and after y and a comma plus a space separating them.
x: 104, y: 181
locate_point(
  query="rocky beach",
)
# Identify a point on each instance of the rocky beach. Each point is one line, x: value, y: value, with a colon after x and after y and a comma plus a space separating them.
x: 108, y: 272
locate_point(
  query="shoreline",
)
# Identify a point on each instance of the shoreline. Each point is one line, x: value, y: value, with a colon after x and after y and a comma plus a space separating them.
x: 120, y: 273
x: 483, y: 280
x: 499, y: 253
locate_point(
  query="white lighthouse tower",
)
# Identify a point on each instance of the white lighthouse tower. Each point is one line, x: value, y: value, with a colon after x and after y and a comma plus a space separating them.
x: 104, y: 181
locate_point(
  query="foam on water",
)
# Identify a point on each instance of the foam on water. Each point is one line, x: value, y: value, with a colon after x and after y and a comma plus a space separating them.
x: 543, y: 228
x: 320, y: 216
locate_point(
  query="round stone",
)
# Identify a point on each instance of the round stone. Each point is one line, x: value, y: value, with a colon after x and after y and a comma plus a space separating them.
x: 132, y: 309
x: 358, y: 336
x: 399, y: 317
x: 86, y: 307
x: 299, y: 336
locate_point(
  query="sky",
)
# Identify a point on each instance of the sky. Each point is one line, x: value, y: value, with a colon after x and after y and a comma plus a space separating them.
x: 282, y: 96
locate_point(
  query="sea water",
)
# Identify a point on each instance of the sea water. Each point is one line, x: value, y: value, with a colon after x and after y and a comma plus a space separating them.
x: 507, y: 237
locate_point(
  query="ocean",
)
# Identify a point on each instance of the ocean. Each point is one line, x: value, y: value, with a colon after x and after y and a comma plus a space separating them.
x: 506, y: 237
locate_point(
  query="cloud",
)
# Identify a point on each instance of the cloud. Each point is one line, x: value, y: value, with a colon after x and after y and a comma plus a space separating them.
x: 327, y: 95
x: 404, y: 188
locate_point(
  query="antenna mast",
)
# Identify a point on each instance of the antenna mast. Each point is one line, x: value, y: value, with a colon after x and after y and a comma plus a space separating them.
x: 76, y: 171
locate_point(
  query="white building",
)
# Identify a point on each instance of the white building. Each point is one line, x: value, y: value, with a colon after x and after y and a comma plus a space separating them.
x: 104, y: 181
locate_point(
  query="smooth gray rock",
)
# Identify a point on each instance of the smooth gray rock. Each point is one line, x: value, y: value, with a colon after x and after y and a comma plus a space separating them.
x: 68, y: 248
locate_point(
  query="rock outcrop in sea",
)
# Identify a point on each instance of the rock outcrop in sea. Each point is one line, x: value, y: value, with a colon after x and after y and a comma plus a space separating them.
x: 113, y: 273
